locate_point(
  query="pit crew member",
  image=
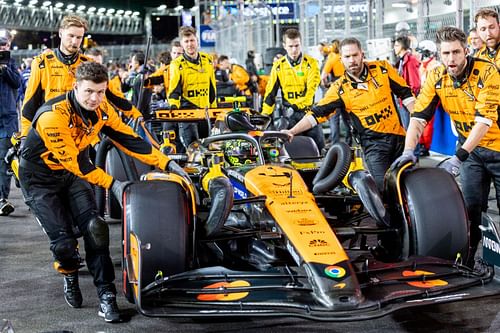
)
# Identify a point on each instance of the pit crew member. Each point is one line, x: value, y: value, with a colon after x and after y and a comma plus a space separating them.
x: 467, y: 88
x: 365, y: 91
x: 56, y: 174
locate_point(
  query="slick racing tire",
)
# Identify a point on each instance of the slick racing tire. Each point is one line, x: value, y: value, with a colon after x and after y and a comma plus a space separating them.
x: 160, y: 215
x: 114, y: 167
x: 436, y: 215
x: 334, y: 168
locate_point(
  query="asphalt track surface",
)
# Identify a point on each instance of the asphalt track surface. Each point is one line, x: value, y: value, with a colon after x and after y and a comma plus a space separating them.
x: 31, y: 298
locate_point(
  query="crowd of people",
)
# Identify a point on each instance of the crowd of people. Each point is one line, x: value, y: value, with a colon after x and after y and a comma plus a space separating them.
x: 68, y: 97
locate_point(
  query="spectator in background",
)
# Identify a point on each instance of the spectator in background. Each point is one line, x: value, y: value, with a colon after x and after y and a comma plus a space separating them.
x: 324, y: 51
x: 475, y: 42
x: 10, y: 82
x: 207, y: 17
x: 251, y: 67
x: 138, y: 71
x: 25, y: 76
x: 408, y: 67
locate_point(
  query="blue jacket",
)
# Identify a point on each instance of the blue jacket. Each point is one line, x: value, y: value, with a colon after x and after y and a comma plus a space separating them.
x: 10, y: 81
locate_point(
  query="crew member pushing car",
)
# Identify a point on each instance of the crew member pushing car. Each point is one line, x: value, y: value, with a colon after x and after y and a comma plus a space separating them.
x: 56, y: 174
x: 366, y: 91
x: 467, y: 89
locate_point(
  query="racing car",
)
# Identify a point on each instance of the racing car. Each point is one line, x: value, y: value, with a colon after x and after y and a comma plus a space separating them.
x: 266, y: 227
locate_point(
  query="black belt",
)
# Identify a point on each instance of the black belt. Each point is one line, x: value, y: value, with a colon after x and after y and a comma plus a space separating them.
x: 26, y: 164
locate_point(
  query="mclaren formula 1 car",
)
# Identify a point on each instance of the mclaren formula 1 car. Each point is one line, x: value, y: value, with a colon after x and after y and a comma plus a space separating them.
x: 262, y: 227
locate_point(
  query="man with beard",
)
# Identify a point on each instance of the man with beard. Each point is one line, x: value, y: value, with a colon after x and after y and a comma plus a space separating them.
x: 467, y: 89
x: 365, y: 92
x: 53, y: 73
x: 488, y: 29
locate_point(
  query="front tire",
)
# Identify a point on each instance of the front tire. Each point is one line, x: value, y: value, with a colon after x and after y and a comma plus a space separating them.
x: 159, y: 214
x: 437, y: 224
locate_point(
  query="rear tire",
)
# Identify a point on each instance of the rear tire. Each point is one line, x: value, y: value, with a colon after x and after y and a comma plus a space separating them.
x: 159, y: 213
x: 437, y: 219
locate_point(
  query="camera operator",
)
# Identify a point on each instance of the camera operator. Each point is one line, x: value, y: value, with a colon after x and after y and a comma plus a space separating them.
x: 10, y: 81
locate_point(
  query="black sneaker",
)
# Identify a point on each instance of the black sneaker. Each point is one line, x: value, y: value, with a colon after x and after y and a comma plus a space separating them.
x: 6, y: 207
x: 108, y: 309
x: 72, y: 293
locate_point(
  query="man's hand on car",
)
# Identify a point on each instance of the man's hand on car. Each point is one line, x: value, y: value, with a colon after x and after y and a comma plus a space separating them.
x: 117, y: 188
x: 407, y: 157
x: 172, y: 166
x: 452, y: 165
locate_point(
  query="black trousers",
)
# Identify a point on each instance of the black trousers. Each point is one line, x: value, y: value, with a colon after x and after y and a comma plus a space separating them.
x: 62, y: 201
x: 477, y: 172
x: 379, y: 155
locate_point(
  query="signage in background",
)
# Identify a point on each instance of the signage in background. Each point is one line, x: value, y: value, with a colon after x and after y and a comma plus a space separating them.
x: 285, y: 10
x: 207, y: 36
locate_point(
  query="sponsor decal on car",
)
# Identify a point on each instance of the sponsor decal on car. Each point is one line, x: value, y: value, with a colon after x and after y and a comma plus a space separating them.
x: 423, y: 284
x: 335, y: 272
x: 225, y: 287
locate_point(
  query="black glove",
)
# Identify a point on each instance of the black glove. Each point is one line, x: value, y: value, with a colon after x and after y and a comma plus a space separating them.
x: 176, y: 168
x: 406, y: 157
x: 117, y: 188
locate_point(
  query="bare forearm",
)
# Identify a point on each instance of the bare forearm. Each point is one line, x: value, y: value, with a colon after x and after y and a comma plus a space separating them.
x: 415, y: 130
x: 303, y: 125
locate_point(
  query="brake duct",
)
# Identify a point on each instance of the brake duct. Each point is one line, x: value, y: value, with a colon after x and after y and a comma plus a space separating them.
x: 364, y: 184
x: 221, y: 194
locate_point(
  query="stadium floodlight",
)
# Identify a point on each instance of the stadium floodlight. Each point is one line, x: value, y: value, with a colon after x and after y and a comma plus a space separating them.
x: 110, y: 11
x: 399, y: 5
x: 59, y: 5
x: 33, y: 2
x: 17, y: 2
x: 101, y: 10
x: 120, y: 12
x: 179, y: 8
x: 128, y: 12
x: 136, y: 13
x: 81, y: 8
x: 46, y: 3
x: 70, y: 6
x: 162, y: 7
x: 91, y: 9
